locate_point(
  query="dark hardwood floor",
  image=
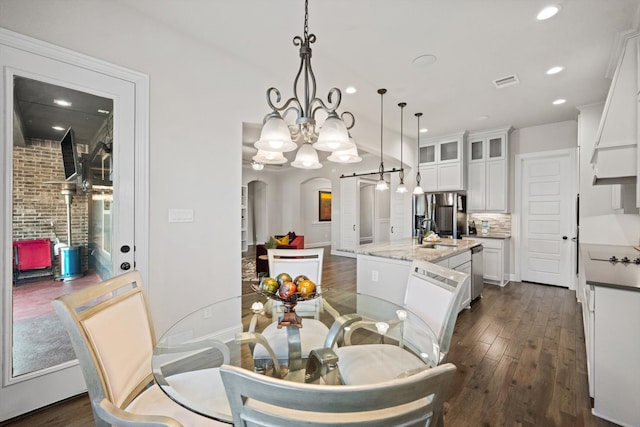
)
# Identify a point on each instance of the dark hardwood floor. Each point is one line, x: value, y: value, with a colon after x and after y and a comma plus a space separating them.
x: 519, y: 351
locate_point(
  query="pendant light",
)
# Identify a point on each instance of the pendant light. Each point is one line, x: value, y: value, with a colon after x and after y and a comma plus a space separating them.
x: 418, y: 190
x: 401, y: 187
x: 382, y: 184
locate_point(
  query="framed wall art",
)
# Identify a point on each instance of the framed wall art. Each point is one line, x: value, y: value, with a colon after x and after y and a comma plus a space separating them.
x: 324, y: 205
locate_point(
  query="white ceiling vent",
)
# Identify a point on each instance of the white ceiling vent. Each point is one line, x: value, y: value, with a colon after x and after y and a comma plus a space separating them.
x: 506, y: 81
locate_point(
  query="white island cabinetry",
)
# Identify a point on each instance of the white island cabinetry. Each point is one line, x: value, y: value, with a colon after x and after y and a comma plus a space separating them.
x: 383, y: 268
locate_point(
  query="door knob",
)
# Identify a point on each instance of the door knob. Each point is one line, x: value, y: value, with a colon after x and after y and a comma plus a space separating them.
x: 354, y: 227
x: 392, y: 229
x: 125, y: 266
x: 564, y: 237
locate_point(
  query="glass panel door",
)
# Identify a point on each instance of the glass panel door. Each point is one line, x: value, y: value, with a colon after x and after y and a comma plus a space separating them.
x: 58, y: 227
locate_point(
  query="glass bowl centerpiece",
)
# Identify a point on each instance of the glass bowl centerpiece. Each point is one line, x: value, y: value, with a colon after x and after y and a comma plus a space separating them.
x: 288, y: 291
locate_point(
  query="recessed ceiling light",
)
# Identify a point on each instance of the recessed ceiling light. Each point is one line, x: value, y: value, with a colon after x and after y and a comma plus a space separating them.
x: 547, y: 13
x: 555, y: 70
x: 350, y: 90
x: 559, y: 101
x: 62, y: 102
x: 103, y: 111
x: 480, y: 118
x: 424, y: 130
x: 424, y: 60
x: 57, y: 128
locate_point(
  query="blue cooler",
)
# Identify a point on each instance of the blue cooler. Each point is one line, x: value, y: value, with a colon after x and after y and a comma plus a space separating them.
x: 70, y: 263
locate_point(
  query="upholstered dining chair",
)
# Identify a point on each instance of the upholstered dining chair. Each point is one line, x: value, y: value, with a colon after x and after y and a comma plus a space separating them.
x: 259, y: 400
x: 306, y: 262
x: 433, y: 295
x: 112, y: 334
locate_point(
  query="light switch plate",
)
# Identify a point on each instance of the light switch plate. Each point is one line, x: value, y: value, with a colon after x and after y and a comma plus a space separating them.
x: 180, y: 215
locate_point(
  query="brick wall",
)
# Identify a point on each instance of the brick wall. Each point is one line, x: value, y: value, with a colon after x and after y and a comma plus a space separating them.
x: 36, y: 204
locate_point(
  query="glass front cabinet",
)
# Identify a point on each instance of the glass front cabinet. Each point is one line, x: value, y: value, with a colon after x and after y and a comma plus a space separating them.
x: 488, y: 173
x: 442, y: 163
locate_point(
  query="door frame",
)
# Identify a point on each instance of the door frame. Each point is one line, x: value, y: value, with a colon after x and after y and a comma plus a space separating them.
x: 141, y: 199
x: 516, y: 216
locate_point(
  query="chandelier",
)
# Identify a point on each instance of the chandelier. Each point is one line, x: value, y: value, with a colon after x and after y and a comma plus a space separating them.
x: 333, y: 136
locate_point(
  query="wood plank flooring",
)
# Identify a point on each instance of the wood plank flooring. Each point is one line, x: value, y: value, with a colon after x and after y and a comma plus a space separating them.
x: 519, y: 351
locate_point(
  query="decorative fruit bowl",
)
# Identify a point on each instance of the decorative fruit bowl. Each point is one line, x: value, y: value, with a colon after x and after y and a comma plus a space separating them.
x: 288, y: 291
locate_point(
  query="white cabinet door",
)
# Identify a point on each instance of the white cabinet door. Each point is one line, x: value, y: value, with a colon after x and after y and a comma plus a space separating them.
x: 400, y: 216
x: 429, y: 176
x: 492, y: 264
x: 349, y: 213
x: 496, y: 185
x: 466, y: 300
x: 476, y: 184
x: 450, y: 176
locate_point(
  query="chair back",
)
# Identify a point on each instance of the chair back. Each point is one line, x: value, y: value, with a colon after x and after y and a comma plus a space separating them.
x: 435, y: 293
x: 296, y: 262
x: 259, y: 400
x: 111, y: 332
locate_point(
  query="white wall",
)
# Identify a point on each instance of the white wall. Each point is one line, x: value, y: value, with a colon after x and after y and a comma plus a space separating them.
x: 598, y: 221
x: 199, y: 97
x: 316, y: 233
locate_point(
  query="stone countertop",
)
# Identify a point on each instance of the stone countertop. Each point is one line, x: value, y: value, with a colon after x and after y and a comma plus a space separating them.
x: 488, y: 236
x: 609, y: 274
x: 409, y: 249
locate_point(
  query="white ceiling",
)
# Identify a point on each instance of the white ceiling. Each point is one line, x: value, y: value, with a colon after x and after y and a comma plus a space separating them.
x: 370, y: 44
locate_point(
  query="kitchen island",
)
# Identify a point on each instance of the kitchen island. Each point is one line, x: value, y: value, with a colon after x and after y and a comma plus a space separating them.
x: 383, y: 268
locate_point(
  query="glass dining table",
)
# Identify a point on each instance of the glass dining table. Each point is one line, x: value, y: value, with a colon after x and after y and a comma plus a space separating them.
x: 187, y: 356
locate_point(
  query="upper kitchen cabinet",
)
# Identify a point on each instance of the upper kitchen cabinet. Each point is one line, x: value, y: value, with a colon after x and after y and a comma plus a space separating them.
x: 488, y: 171
x: 442, y: 163
x: 615, y: 156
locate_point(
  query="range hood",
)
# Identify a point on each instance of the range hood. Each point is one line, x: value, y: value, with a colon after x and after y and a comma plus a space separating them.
x: 615, y: 154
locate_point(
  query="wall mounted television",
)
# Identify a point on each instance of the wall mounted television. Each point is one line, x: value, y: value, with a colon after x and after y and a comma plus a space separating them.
x: 69, y: 155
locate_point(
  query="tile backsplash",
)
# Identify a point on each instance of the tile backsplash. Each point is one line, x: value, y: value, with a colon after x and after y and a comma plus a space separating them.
x: 498, y: 223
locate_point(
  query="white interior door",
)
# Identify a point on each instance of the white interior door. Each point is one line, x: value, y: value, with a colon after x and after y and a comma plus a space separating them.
x: 24, y: 57
x: 547, y: 206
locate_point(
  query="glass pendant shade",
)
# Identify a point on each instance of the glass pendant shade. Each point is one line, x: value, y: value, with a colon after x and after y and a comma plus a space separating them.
x: 401, y: 188
x: 382, y: 185
x: 418, y: 190
x: 306, y: 158
x: 346, y: 156
x: 333, y: 136
x: 275, y: 135
x: 269, y: 157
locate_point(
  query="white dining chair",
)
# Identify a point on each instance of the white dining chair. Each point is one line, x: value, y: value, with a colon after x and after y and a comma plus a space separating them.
x: 415, y: 400
x: 432, y: 298
x: 435, y: 293
x: 112, y: 334
x: 306, y: 262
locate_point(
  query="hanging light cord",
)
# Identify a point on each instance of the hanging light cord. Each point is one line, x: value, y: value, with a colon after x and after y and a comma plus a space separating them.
x: 418, y: 151
x: 401, y: 174
x: 381, y: 92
